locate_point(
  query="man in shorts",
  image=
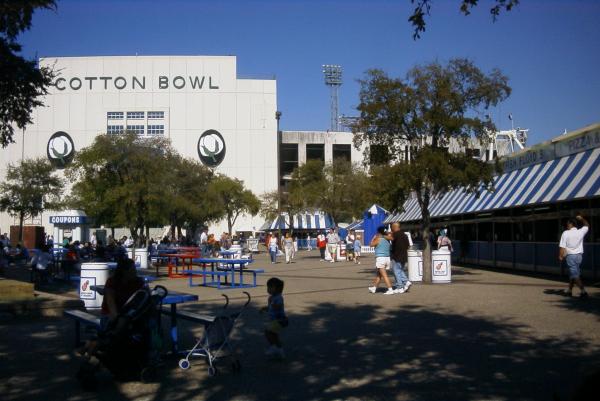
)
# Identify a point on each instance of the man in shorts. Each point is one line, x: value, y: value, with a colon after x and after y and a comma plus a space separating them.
x: 332, y: 244
x: 571, y: 251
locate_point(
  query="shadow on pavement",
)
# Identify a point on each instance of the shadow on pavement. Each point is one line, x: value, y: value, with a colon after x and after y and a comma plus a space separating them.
x: 589, y: 305
x: 333, y: 353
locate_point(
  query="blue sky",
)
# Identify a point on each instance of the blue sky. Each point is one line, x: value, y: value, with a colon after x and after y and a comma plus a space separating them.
x: 550, y: 49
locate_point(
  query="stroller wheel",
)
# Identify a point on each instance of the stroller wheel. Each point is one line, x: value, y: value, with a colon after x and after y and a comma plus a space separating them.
x: 212, y: 371
x: 236, y: 366
x: 184, y: 364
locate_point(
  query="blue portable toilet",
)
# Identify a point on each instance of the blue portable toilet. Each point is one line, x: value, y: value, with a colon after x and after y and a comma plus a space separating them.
x: 373, y: 217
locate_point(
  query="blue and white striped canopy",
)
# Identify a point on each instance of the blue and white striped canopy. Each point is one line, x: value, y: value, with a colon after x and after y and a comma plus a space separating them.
x: 302, y: 221
x: 576, y: 176
x: 356, y: 225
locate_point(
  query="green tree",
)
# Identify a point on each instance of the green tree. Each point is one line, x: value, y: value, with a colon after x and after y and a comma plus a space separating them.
x: 190, y: 204
x: 122, y: 181
x: 22, y: 83
x: 339, y: 188
x: 431, y: 106
x: 31, y: 186
x: 291, y: 205
x: 233, y: 198
x: 423, y: 9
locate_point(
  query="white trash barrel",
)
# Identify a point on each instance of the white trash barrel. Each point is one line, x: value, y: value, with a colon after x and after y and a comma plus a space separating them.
x: 441, y: 268
x: 92, y: 274
x: 141, y: 257
x: 415, y: 266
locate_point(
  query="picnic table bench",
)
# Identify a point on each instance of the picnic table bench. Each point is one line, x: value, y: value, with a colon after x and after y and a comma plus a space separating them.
x: 80, y: 317
x: 226, y: 268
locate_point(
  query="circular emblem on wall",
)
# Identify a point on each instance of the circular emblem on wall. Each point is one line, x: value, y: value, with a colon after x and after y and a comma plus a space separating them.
x: 211, y: 148
x: 60, y: 149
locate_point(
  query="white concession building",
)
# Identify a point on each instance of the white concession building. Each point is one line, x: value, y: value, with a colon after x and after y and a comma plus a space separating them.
x: 197, y: 101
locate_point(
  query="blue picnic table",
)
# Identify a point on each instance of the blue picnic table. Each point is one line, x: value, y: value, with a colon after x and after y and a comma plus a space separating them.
x: 220, y: 267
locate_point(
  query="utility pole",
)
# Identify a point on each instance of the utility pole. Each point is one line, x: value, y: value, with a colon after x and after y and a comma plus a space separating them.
x: 278, y: 117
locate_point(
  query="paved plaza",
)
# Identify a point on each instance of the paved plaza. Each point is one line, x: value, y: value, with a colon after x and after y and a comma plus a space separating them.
x: 487, y: 336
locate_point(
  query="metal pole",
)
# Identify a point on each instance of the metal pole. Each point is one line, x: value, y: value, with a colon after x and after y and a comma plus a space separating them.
x: 279, y: 177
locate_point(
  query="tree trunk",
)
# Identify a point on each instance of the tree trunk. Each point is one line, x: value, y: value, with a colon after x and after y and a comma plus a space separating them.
x: 21, y: 218
x: 147, y: 236
x: 229, y: 223
x: 426, y: 222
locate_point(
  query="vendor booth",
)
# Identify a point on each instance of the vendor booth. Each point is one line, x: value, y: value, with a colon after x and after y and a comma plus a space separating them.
x: 373, y: 218
x: 71, y: 224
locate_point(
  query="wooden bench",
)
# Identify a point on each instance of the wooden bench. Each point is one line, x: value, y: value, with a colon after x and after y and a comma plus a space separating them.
x: 80, y: 317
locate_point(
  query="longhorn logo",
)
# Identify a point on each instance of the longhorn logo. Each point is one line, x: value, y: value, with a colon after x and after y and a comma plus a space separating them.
x: 60, y: 149
x: 211, y: 148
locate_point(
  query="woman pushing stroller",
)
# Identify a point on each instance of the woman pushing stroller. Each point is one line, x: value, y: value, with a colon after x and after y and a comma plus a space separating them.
x: 124, y: 342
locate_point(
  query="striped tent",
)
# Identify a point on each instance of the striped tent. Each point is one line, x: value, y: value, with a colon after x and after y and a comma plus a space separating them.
x: 576, y: 176
x: 302, y: 221
x: 356, y: 225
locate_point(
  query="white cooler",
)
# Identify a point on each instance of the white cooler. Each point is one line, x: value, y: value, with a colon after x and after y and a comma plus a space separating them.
x: 415, y: 266
x: 141, y: 257
x: 441, y: 271
x: 92, y: 274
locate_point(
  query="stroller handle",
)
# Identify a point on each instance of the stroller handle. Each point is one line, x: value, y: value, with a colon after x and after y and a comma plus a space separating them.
x: 249, y: 298
x: 226, y: 301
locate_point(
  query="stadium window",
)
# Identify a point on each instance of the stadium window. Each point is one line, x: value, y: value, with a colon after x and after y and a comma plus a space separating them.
x: 289, y: 158
x: 114, y: 129
x: 315, y: 151
x: 138, y: 129
x: 342, y: 152
x: 156, y: 130
x: 156, y: 115
x: 135, y: 115
x: 114, y: 115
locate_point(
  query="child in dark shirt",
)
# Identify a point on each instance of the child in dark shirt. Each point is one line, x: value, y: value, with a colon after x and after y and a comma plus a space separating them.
x: 277, y: 318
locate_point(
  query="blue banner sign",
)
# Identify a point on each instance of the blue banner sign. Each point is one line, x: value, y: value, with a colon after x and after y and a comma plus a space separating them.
x: 68, y: 219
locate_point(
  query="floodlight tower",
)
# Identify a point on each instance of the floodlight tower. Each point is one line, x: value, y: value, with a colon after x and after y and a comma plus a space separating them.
x: 333, y: 79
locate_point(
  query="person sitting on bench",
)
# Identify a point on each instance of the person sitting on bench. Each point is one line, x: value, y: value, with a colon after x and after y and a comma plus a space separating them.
x: 117, y: 290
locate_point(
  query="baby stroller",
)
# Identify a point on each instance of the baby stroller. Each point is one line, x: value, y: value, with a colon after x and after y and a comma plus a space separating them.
x: 129, y: 345
x: 215, y: 343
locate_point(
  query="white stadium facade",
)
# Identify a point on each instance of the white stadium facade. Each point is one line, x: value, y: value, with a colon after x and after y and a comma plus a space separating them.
x: 192, y: 100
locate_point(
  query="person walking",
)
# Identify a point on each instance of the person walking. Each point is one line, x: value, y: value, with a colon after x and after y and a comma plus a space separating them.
x: 443, y: 242
x: 308, y: 245
x: 332, y: 244
x: 273, y: 248
x: 357, y: 247
x: 399, y: 258
x: 321, y: 244
x: 381, y: 243
x: 288, y: 247
x: 571, y: 251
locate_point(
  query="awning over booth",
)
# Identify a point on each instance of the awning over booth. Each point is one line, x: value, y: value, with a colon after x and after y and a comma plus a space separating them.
x: 301, y: 221
x: 576, y: 176
x: 357, y: 225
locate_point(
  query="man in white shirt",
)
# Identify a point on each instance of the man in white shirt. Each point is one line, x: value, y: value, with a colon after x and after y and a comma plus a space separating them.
x: 332, y: 243
x: 571, y: 251
x: 203, y: 242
